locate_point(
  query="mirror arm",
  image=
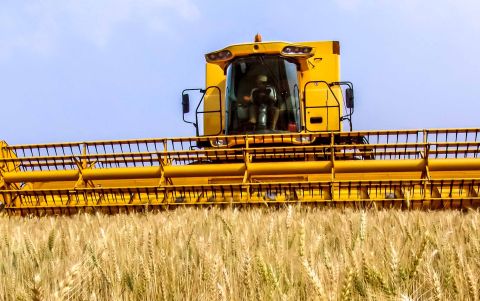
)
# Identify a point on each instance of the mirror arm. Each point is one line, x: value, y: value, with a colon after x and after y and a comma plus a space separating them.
x: 186, y: 102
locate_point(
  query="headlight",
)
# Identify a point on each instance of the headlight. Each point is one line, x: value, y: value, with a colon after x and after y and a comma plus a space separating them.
x: 303, y: 139
x: 297, y: 51
x: 219, y: 142
x: 223, y: 55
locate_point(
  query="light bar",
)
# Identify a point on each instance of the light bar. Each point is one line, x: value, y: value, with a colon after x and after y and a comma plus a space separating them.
x: 297, y: 51
x: 219, y: 56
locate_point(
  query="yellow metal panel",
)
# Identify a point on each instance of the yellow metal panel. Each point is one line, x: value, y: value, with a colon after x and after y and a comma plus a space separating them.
x: 369, y: 168
x: 6, y: 153
x: 40, y: 176
x: 456, y: 164
x: 316, y: 116
x: 121, y: 173
x: 205, y: 170
x: 324, y: 66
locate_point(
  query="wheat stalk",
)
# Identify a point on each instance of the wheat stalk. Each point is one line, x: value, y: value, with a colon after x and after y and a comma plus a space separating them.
x: 450, y: 271
x: 36, y: 292
x: 69, y: 288
x: 363, y: 226
x: 347, y: 285
x: 472, y: 286
x: 437, y: 286
x: 221, y: 292
x: 418, y: 257
x: 301, y: 250
x: 313, y: 277
x: 246, y: 274
x: 289, y: 218
x: 394, y: 264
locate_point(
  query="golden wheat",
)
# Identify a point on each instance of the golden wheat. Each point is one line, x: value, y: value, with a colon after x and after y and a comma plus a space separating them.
x: 295, y: 253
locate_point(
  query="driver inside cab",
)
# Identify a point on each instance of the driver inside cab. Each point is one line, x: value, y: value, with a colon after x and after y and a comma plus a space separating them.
x: 262, y: 103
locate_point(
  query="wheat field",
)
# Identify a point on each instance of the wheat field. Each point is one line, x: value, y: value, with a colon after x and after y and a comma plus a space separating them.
x: 292, y: 253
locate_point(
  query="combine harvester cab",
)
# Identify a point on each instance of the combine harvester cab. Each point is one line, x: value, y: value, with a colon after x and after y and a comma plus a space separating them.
x: 269, y: 130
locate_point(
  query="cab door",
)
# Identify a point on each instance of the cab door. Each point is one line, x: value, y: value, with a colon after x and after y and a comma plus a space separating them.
x: 322, y: 107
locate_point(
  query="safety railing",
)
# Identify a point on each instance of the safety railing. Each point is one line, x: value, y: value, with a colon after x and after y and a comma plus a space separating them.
x: 361, y: 145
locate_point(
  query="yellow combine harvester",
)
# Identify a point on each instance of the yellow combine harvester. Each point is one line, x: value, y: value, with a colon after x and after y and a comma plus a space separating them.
x: 273, y: 116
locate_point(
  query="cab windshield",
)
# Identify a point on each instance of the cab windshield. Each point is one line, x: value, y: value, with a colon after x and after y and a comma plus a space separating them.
x: 262, y: 96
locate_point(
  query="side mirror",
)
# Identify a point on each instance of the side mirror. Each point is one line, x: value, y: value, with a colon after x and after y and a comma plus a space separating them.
x: 185, y: 103
x: 349, y: 98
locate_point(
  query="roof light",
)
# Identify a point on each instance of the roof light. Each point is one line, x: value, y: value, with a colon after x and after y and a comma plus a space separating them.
x: 223, y: 55
x: 297, y: 51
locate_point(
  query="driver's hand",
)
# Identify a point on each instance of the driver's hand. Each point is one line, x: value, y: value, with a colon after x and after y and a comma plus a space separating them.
x: 247, y: 98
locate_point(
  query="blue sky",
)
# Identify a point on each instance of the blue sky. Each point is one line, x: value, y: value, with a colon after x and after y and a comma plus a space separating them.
x: 114, y: 69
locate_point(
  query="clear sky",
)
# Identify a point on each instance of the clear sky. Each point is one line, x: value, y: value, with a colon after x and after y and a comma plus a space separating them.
x: 76, y: 70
